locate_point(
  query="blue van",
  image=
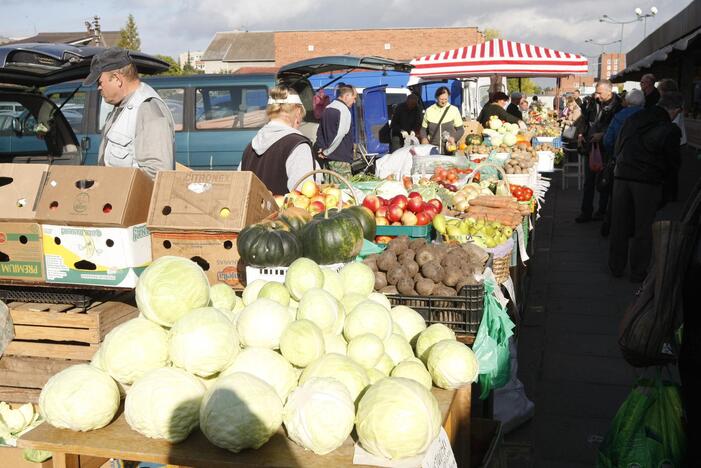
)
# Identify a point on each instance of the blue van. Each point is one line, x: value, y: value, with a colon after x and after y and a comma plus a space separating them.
x: 216, y: 116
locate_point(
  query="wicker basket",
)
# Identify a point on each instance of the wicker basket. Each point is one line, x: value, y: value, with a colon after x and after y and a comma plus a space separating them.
x: 500, y: 267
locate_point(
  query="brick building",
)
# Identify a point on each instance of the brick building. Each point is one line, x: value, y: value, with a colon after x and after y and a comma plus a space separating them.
x: 230, y: 51
x: 572, y: 82
x: 610, y: 64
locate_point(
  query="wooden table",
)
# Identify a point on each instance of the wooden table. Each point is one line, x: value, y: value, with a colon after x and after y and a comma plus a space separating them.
x: 117, y: 440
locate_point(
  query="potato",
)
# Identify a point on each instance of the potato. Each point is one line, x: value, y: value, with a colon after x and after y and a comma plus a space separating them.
x: 424, y: 287
x: 396, y: 274
x: 416, y: 244
x: 442, y: 290
x: 433, y: 271
x: 398, y: 245
x: 425, y: 255
x: 412, y: 268
x: 380, y: 280
x: 371, y: 261
x: 452, y: 277
x: 386, y: 261
x: 406, y: 256
x: 406, y: 286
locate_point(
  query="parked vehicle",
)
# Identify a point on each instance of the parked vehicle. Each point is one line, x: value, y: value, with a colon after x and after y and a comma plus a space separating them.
x: 34, y: 128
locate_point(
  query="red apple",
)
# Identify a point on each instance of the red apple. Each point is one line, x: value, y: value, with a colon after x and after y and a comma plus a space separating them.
x: 383, y: 239
x: 381, y: 221
x: 437, y: 203
x: 309, y: 188
x: 422, y: 218
x: 372, y: 203
x: 394, y: 213
x: 415, y: 195
x: 396, y: 223
x: 400, y: 200
x: 415, y: 204
x: 381, y: 212
x: 316, y: 207
x: 384, y: 201
x: 430, y: 210
x: 409, y: 219
x: 300, y: 201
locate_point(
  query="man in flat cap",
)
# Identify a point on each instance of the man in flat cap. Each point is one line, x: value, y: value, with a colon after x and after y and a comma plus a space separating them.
x: 139, y: 132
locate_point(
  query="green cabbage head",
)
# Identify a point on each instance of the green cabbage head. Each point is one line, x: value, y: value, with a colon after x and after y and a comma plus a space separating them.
x: 452, y: 364
x: 268, y: 366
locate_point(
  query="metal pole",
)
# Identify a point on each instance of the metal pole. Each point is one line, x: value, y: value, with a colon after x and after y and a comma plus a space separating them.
x: 620, y: 44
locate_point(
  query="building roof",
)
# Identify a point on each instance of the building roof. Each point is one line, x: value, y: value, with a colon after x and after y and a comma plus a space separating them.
x: 111, y: 38
x: 241, y: 46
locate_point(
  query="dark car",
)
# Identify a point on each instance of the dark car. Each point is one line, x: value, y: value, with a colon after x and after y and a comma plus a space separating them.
x: 37, y: 129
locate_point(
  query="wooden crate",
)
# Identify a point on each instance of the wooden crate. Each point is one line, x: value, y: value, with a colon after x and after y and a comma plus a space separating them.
x: 63, y: 331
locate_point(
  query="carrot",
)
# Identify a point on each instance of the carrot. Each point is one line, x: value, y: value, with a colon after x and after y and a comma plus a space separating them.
x: 494, y: 202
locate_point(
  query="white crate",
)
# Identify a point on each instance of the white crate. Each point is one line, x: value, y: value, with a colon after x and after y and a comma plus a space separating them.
x: 546, y: 161
x: 278, y: 273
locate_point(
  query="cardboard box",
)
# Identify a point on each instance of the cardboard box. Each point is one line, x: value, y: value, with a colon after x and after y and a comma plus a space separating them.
x: 11, y: 457
x: 98, y: 256
x: 21, y: 252
x: 216, y: 253
x: 94, y: 196
x: 20, y: 186
x: 213, y: 201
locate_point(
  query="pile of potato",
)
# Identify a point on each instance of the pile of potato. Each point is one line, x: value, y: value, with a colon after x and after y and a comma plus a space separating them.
x: 520, y: 162
x: 415, y: 267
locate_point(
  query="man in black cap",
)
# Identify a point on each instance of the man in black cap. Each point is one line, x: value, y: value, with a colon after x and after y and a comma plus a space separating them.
x: 139, y: 132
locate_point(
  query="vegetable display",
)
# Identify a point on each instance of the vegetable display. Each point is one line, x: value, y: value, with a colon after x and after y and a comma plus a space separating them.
x: 271, y: 243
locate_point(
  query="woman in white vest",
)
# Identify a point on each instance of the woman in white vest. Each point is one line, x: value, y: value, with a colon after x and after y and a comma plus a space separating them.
x: 139, y: 132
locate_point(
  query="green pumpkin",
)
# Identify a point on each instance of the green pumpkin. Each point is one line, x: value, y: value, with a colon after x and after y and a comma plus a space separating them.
x: 295, y: 218
x: 365, y: 217
x: 268, y: 244
x: 332, y: 238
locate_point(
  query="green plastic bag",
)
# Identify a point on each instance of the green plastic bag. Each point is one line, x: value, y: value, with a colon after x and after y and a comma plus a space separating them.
x: 647, y: 430
x: 492, y: 343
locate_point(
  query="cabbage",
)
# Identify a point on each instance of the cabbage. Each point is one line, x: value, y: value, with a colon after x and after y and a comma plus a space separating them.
x: 261, y: 323
x: 164, y: 404
x: 302, y: 342
x: 358, y: 277
x: 251, y: 291
x: 302, y: 275
x: 413, y: 370
x: 275, y: 291
x: 380, y: 299
x: 350, y: 300
x: 131, y: 349
x: 14, y: 421
x: 452, y: 364
x: 335, y: 344
x: 397, y: 418
x: 398, y: 348
x: 368, y: 317
x: 385, y: 365
x: 341, y: 368
x: 333, y: 283
x: 319, y: 415
x: 374, y: 375
x: 222, y: 297
x: 323, y: 309
x: 366, y: 350
x: 169, y: 288
x: 409, y: 321
x: 203, y: 342
x: 268, y: 366
x: 240, y: 411
x: 432, y: 335
x: 79, y: 398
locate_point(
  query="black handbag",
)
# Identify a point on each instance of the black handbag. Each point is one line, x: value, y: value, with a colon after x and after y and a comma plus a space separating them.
x: 605, y: 179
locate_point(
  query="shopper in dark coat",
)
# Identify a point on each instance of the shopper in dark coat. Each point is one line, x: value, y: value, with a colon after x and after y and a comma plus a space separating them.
x: 595, y: 121
x: 647, y: 156
x: 647, y: 85
x: 405, y: 118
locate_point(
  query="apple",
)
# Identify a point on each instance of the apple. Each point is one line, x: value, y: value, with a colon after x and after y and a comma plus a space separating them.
x: 372, y: 203
x: 381, y: 212
x: 384, y: 201
x: 437, y: 203
x: 280, y: 200
x: 396, y: 223
x: 400, y: 200
x: 335, y: 191
x: 430, y: 210
x: 383, y: 239
x: 415, y: 195
x: 415, y: 204
x: 319, y: 198
x: 331, y: 200
x: 422, y: 218
x: 381, y: 221
x: 317, y: 207
x: 409, y: 219
x: 309, y: 188
x: 300, y: 201
x: 394, y: 213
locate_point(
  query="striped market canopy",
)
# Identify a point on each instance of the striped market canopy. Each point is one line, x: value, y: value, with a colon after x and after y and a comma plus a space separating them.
x: 498, y: 57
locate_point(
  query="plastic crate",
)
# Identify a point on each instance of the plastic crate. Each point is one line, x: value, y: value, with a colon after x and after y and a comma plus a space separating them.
x: 461, y: 313
x: 414, y: 232
x: 79, y: 298
x: 278, y: 273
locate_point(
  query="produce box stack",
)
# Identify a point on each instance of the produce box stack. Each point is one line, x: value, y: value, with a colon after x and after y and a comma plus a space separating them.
x: 199, y: 215
x: 21, y: 251
x: 94, y: 225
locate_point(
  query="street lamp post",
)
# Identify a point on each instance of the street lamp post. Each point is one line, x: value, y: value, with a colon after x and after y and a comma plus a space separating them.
x: 608, y: 19
x: 601, y: 44
x: 644, y: 17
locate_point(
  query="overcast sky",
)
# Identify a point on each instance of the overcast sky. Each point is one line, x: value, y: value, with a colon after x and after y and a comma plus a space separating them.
x: 173, y: 26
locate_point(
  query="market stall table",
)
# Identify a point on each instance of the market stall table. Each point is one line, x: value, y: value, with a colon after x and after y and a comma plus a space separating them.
x: 118, y: 441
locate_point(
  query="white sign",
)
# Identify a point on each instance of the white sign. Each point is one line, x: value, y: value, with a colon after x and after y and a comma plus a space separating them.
x: 438, y: 455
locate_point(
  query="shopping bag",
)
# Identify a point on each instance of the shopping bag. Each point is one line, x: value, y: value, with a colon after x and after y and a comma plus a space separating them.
x: 569, y: 132
x: 492, y: 343
x: 596, y: 160
x: 647, y: 430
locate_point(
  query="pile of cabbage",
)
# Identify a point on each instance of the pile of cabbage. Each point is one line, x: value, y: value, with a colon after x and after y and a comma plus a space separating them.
x: 321, y: 354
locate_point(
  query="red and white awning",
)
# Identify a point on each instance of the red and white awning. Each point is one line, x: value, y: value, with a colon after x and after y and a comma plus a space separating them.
x: 499, y: 57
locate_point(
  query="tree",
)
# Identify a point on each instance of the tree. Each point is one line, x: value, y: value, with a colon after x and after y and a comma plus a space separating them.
x: 491, y: 33
x: 174, y: 69
x: 528, y: 86
x: 129, y: 35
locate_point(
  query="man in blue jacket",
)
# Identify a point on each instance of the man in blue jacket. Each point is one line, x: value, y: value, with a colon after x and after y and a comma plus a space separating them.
x: 334, y: 139
x: 633, y: 103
